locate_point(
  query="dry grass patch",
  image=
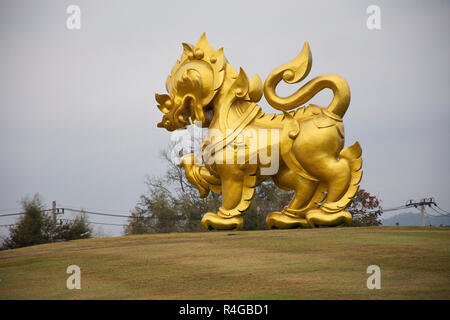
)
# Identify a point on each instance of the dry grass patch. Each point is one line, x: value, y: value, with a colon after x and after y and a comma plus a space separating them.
x: 325, y: 263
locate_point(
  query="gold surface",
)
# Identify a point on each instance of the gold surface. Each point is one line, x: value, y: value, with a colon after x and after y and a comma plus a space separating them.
x: 203, y: 87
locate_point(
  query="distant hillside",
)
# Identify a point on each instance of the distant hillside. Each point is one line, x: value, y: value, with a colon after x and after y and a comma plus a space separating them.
x: 414, y: 219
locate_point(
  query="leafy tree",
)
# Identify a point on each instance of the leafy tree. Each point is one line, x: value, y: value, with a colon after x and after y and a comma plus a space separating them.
x: 365, y: 209
x: 32, y: 228
x: 171, y: 204
x: 78, y: 228
x: 37, y: 227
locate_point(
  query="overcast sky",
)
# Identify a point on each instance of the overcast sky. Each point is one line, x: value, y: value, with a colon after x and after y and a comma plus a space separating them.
x: 77, y: 109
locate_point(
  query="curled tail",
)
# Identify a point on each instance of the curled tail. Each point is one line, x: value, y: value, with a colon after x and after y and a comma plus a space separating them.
x: 295, y: 71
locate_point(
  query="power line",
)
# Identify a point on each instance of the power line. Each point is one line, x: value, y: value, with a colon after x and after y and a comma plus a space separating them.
x: 442, y: 209
x: 11, y: 214
x: 55, y: 211
x: 61, y: 210
x: 90, y: 208
x: 381, y: 210
x: 108, y: 224
x: 98, y: 213
x: 102, y: 223
x: 394, y: 209
x: 439, y: 213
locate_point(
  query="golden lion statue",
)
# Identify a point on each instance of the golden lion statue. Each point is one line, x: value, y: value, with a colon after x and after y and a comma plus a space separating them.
x: 301, y: 150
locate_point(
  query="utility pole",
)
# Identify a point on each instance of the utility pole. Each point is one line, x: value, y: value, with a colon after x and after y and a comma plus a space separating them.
x: 54, y: 211
x: 421, y: 204
x: 422, y: 213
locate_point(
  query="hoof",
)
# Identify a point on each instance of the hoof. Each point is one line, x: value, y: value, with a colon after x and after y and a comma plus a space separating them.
x: 212, y: 221
x: 277, y: 220
x: 320, y: 218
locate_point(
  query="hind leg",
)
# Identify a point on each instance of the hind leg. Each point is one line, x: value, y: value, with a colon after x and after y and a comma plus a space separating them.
x: 293, y: 215
x: 320, y: 151
x: 337, y: 175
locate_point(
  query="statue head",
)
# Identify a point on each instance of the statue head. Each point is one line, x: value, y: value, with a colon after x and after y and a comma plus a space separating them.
x: 192, y: 84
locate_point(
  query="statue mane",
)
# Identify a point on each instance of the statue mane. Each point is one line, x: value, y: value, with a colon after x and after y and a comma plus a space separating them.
x: 200, y: 74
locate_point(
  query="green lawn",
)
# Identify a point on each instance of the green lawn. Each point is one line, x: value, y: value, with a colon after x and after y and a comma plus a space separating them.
x: 324, y: 263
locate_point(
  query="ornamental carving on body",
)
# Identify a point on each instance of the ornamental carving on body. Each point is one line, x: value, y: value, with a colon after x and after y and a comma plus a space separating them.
x: 301, y: 148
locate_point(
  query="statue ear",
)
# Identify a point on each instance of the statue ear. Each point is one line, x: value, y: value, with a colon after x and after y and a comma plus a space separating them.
x: 255, y: 90
x: 188, y: 50
x: 218, y: 59
x: 240, y: 85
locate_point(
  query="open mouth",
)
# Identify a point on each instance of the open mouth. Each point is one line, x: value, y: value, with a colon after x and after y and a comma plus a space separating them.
x: 178, y: 117
x: 186, y: 113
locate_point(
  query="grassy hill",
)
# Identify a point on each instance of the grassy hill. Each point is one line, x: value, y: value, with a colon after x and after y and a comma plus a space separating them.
x: 324, y: 263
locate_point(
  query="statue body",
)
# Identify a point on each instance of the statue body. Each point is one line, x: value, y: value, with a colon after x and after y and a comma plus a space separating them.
x: 305, y: 142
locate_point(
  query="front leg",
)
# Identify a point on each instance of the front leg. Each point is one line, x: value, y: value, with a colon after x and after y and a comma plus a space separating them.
x: 238, y: 183
x: 199, y: 176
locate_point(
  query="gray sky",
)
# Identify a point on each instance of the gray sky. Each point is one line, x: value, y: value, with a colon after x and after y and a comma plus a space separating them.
x: 77, y: 109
